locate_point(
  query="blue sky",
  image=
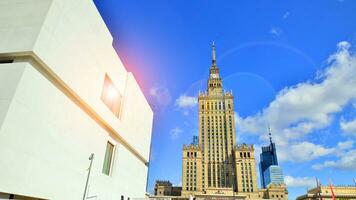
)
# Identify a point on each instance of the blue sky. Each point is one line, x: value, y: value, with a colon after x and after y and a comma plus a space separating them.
x: 290, y: 64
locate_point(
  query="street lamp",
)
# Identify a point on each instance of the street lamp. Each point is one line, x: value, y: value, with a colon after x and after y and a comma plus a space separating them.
x: 91, y: 158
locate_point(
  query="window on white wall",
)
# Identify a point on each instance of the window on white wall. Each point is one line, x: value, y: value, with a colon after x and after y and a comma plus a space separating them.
x: 111, y: 96
x: 108, y: 158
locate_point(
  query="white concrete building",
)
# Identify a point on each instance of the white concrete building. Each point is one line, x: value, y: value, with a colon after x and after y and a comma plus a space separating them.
x: 65, y: 94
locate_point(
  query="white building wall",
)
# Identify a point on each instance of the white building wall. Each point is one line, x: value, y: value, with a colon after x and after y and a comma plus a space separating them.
x: 20, y: 23
x: 45, y: 137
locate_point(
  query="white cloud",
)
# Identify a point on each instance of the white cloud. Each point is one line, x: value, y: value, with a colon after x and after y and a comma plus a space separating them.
x: 346, y: 162
x: 307, y: 151
x: 304, y: 151
x: 175, y: 133
x: 349, y: 127
x: 308, y: 182
x: 185, y: 101
x: 161, y: 95
x: 345, y: 145
x: 308, y: 106
x: 354, y: 104
x: 275, y: 31
x: 286, y: 15
x: 179, y: 183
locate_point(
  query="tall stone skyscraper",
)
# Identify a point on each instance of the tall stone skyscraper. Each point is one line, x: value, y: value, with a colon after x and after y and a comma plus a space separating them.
x: 216, y: 167
x: 212, y: 170
x: 216, y: 131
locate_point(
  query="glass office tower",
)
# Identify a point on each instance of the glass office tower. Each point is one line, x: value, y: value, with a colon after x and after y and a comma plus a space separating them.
x: 268, y: 158
x: 273, y: 174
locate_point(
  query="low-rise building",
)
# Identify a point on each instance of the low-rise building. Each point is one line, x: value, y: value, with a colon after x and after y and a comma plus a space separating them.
x: 165, y: 188
x: 274, y: 191
x: 341, y: 192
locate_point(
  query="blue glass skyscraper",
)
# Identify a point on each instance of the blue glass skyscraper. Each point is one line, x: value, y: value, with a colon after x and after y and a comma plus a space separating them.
x: 268, y: 158
x: 195, y: 140
x: 273, y: 174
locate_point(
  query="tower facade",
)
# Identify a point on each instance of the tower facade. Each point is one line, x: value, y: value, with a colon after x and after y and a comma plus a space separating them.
x: 246, y: 180
x: 191, y: 170
x: 216, y: 132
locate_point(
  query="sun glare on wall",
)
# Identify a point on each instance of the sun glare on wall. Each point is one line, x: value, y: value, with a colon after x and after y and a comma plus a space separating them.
x: 111, y: 96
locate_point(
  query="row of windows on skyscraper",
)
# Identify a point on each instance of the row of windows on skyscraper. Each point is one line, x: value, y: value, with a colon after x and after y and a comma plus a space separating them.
x: 191, y: 154
x: 191, y: 170
x: 218, y: 106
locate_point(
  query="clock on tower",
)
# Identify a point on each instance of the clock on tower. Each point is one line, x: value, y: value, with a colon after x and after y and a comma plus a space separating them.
x: 214, y: 76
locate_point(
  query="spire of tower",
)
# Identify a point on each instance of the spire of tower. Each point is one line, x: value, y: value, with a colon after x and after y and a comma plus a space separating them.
x: 213, y: 54
x: 269, y: 133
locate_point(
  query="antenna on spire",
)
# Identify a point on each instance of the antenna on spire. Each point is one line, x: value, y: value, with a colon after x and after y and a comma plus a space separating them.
x: 269, y: 133
x: 213, y: 54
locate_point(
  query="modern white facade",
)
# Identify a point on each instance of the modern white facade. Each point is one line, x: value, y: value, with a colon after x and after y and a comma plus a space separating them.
x: 54, y: 57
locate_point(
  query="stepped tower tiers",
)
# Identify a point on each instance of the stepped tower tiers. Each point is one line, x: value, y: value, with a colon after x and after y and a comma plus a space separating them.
x: 215, y: 167
x: 217, y: 134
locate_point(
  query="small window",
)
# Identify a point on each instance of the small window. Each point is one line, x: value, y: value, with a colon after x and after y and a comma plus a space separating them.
x: 122, y: 197
x: 108, y: 158
x: 111, y: 96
